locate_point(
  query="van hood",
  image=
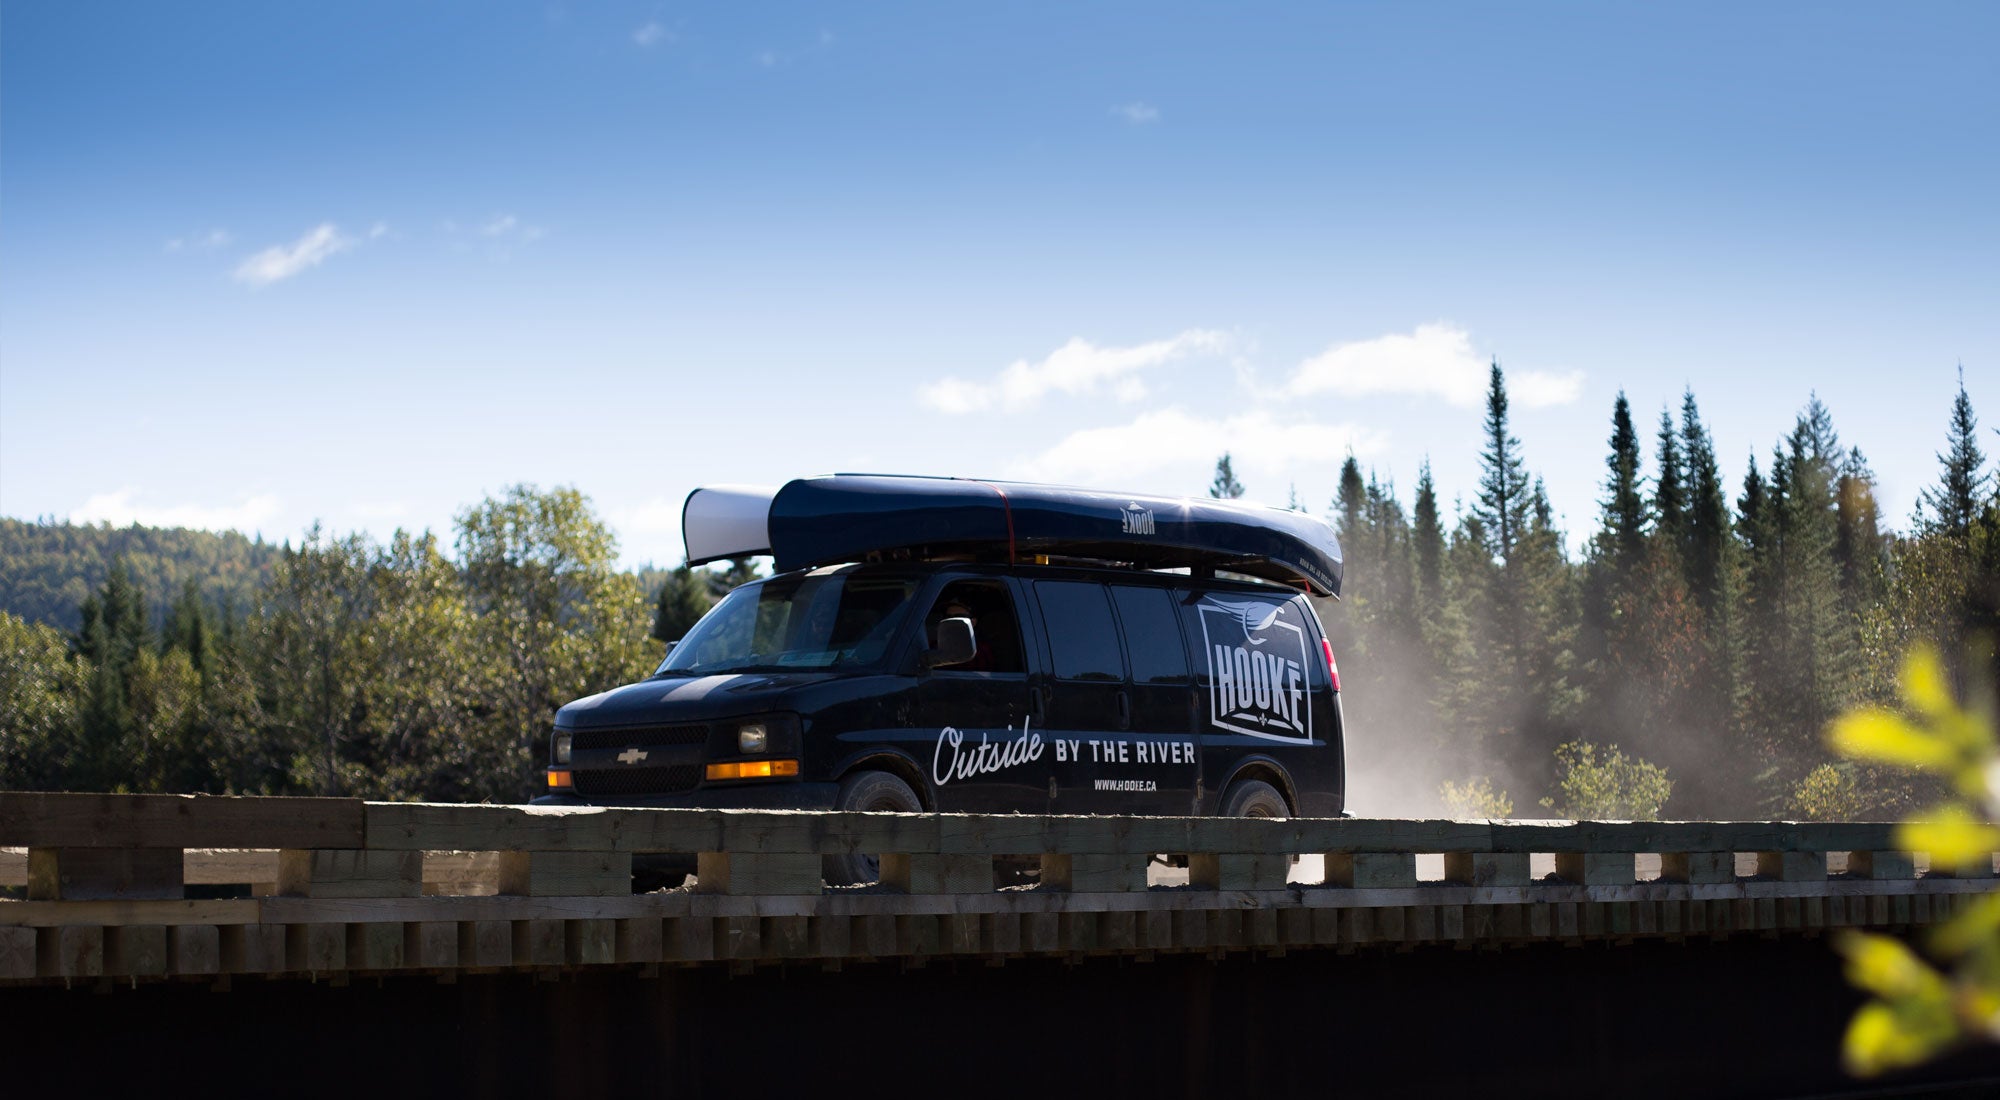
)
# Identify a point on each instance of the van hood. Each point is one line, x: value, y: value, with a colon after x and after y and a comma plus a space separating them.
x: 675, y: 699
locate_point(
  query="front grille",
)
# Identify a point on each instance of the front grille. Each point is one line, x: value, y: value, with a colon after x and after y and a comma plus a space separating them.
x: 641, y: 736
x: 671, y: 779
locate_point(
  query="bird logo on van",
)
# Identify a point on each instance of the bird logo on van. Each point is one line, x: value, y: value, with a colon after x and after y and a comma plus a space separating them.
x: 1255, y: 617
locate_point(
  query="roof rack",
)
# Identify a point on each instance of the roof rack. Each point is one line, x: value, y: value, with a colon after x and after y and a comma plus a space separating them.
x: 848, y: 517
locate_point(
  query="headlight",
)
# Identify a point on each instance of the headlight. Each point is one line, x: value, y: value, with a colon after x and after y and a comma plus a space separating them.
x: 752, y: 737
x: 561, y: 749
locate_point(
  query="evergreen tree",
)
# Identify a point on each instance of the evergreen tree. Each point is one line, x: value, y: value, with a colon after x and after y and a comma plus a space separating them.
x: 1669, y: 489
x: 1427, y: 535
x: 113, y: 637
x: 1225, y: 486
x: 1349, y: 505
x: 1956, y: 501
x: 1390, y: 557
x: 1859, y: 545
x: 1708, y: 534
x: 1529, y: 626
x: 1621, y: 533
x: 188, y: 627
x: 1502, y: 504
x: 682, y: 600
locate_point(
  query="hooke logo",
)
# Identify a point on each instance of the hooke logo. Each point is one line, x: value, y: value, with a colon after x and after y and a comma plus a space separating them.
x: 1256, y: 669
x: 1138, y: 520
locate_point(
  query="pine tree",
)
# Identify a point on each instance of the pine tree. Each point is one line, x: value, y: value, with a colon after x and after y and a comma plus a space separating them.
x: 1502, y: 504
x: 1427, y: 533
x: 1225, y: 486
x: 188, y: 627
x: 681, y: 602
x: 1389, y: 554
x: 1707, y: 524
x: 113, y: 638
x: 1669, y: 489
x: 1960, y: 494
x: 1859, y: 545
x: 1349, y: 506
x: 1621, y: 534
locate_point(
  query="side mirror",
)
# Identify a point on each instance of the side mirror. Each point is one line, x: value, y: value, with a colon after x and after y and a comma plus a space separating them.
x: 956, y: 644
x: 671, y: 645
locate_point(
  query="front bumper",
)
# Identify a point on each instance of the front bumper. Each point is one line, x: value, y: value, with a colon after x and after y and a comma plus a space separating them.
x: 749, y: 796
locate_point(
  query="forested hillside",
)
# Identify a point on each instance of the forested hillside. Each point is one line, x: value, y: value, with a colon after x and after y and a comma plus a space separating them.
x: 46, y: 569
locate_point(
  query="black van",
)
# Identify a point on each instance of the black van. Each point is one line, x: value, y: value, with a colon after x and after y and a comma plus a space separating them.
x: 968, y: 646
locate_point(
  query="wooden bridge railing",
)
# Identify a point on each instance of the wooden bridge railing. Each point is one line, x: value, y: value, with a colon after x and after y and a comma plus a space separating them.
x: 339, y: 885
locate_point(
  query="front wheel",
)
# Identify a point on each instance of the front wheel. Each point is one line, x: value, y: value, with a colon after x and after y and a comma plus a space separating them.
x: 867, y: 791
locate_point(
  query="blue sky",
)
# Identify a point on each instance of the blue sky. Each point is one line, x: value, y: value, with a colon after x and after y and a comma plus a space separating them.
x: 366, y: 263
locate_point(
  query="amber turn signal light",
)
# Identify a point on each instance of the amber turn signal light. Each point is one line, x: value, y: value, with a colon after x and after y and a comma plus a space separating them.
x: 753, y: 769
x: 560, y: 779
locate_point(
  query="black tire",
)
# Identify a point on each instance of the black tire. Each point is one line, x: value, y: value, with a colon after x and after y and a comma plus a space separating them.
x: 867, y: 791
x: 1254, y: 798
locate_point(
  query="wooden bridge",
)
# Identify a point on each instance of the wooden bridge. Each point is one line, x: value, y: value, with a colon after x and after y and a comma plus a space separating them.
x: 145, y: 888
x: 339, y: 945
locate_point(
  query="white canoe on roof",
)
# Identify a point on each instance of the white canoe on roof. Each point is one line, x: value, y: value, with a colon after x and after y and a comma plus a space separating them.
x: 727, y: 521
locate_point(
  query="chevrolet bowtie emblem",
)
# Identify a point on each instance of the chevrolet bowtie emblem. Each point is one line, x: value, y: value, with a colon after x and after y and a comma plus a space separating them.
x: 631, y: 756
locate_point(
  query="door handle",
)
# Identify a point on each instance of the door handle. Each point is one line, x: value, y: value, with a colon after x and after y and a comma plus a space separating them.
x: 1124, y: 710
x: 1035, y: 705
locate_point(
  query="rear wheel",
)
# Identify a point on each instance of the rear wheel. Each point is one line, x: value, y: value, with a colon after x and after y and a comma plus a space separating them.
x: 867, y: 791
x: 1254, y: 798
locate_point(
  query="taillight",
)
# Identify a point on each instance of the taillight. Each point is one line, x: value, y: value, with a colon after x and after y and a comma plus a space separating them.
x: 1332, y: 669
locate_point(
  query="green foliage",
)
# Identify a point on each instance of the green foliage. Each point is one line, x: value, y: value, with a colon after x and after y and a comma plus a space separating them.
x: 1920, y: 1009
x: 1474, y: 799
x: 361, y: 669
x: 1617, y: 788
x: 1830, y: 792
x: 558, y: 621
x: 682, y: 600
x: 41, y: 697
x: 1622, y: 537
x: 1960, y: 495
x: 1225, y: 486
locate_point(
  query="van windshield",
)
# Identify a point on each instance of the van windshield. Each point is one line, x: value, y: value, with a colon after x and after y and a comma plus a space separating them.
x: 805, y: 621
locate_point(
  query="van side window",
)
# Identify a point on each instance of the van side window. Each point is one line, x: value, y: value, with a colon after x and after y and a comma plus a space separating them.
x: 1082, y: 636
x: 994, y: 626
x: 1152, y: 635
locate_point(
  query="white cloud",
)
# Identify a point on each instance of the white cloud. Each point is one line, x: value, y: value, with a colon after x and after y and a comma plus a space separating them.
x: 120, y: 508
x: 499, y: 226
x: 1435, y: 360
x: 652, y: 34
x: 1077, y: 367
x: 284, y: 261
x: 1266, y: 451
x: 377, y: 231
x: 1538, y: 389
x: 213, y: 239
x: 657, y: 516
x: 774, y: 58
x: 1137, y: 113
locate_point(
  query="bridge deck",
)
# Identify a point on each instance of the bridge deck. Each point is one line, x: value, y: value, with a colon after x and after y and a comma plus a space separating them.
x: 131, y: 887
